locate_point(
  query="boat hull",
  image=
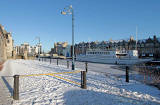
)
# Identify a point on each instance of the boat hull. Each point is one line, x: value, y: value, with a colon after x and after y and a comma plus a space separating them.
x: 110, y: 59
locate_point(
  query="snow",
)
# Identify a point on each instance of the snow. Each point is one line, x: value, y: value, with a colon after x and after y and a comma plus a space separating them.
x: 103, y: 88
x: 5, y: 88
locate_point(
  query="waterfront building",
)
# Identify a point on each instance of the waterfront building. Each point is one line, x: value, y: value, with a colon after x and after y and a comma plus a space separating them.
x: 9, y: 45
x: 30, y: 50
x: 61, y: 49
x: 149, y: 47
x: 146, y: 48
x: 6, y: 44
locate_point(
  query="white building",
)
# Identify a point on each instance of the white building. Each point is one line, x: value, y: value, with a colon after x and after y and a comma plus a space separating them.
x: 61, y: 49
x: 67, y: 51
x: 31, y: 50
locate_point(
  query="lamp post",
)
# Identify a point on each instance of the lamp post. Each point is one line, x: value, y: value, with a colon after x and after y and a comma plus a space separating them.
x: 69, y: 10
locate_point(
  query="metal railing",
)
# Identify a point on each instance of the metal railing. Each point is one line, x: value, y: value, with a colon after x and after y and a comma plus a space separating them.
x: 83, y: 83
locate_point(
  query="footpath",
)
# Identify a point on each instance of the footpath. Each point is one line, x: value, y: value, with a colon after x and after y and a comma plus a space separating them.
x: 6, y: 82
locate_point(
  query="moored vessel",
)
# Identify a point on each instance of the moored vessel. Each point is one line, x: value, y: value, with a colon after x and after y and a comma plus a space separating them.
x: 112, y: 56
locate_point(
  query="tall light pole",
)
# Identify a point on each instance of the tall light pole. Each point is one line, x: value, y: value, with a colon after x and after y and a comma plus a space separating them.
x: 69, y: 10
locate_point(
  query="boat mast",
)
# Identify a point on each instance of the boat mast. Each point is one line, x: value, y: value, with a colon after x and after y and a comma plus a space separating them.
x: 89, y: 43
x: 136, y: 36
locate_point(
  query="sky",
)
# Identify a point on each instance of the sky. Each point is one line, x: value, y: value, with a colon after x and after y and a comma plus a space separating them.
x: 95, y: 20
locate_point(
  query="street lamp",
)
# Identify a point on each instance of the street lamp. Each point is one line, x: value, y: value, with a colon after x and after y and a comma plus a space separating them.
x: 69, y: 10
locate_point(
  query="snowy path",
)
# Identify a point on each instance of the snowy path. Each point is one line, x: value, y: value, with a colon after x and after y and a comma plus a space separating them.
x: 5, y: 85
x: 101, y: 89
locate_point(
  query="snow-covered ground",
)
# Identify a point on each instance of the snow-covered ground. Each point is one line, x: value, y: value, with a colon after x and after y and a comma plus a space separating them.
x: 101, y: 89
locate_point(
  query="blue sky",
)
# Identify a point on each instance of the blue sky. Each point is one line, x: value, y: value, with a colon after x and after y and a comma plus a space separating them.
x: 94, y: 20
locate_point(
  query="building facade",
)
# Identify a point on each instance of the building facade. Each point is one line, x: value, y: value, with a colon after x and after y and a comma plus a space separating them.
x: 146, y: 48
x: 31, y: 50
x: 6, y: 44
x: 61, y: 49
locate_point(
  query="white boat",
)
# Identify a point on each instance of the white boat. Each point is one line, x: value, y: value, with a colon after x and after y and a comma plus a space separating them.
x: 110, y: 56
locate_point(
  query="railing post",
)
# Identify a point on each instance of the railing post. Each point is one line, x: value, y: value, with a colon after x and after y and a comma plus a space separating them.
x: 16, y: 87
x: 86, y: 65
x: 127, y: 74
x: 50, y: 60
x: 57, y: 61
x: 83, y: 80
x: 68, y: 64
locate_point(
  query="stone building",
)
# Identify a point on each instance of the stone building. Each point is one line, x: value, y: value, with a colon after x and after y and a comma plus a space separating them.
x: 9, y: 44
x: 146, y: 48
x: 29, y: 50
x: 6, y: 44
x: 61, y: 49
x: 149, y: 47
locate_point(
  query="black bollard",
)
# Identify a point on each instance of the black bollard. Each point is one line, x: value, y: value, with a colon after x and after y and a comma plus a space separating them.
x: 127, y: 74
x: 50, y: 60
x: 57, y: 61
x: 83, y: 80
x: 16, y: 87
x: 86, y: 65
x: 67, y: 64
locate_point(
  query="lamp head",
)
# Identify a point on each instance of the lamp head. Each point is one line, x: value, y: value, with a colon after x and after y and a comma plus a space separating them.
x: 70, y: 6
x: 63, y: 13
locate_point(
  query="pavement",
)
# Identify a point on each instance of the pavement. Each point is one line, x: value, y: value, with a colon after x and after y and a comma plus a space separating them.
x: 6, y: 81
x: 5, y: 95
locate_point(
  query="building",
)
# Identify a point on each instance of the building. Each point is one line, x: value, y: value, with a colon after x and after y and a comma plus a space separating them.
x: 6, y: 44
x: 9, y: 44
x: 61, y: 49
x: 31, y: 50
x: 147, y: 47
